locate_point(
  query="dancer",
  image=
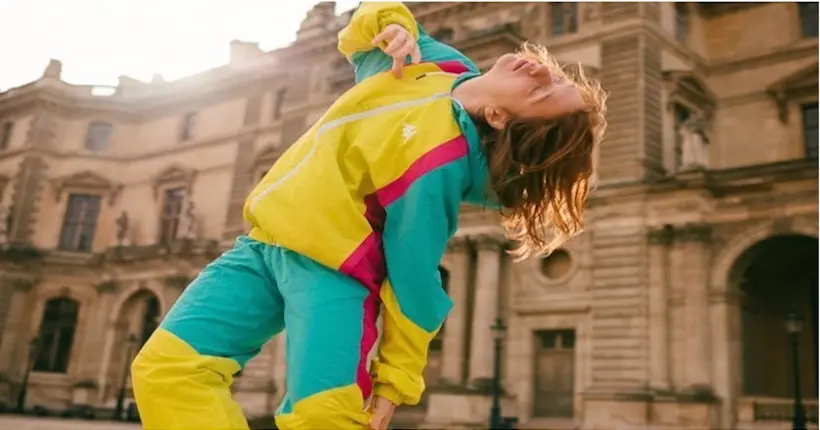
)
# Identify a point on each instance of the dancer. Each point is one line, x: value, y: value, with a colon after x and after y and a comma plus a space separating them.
x: 356, y: 216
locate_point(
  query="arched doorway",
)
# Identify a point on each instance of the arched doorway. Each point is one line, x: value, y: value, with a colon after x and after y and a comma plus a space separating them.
x: 137, y: 320
x: 776, y: 276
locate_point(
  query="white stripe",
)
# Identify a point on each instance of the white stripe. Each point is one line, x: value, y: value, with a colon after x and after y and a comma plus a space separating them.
x: 330, y: 126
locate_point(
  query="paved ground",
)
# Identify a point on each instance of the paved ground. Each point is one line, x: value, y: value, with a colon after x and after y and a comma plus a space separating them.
x: 8, y: 422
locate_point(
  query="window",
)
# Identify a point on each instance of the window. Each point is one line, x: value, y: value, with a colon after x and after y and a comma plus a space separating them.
x: 681, y: 22
x: 99, y: 134
x: 5, y: 134
x: 79, y: 223
x: 808, y: 19
x: 681, y: 113
x: 56, y: 335
x: 564, y: 18
x: 171, y: 213
x: 188, y: 126
x: 150, y: 319
x: 279, y: 102
x: 554, y: 374
x: 810, y: 125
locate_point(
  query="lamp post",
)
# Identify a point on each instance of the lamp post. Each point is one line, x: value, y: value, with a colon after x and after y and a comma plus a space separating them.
x: 33, y: 352
x: 794, y: 325
x: 130, y: 343
x: 499, y: 331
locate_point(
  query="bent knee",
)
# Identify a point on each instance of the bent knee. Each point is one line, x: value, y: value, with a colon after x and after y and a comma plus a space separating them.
x: 165, y: 358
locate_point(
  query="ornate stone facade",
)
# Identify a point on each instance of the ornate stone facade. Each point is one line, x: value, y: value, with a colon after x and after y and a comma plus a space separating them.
x: 648, y: 318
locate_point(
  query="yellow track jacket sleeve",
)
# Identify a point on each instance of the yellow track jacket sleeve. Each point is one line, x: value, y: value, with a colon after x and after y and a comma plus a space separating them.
x: 417, y: 228
x: 356, y: 39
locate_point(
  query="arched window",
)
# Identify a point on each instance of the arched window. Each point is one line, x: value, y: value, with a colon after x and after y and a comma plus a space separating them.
x: 56, y: 335
x: 150, y: 318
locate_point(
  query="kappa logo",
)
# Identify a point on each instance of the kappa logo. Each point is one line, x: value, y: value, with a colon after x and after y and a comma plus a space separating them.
x: 408, y: 132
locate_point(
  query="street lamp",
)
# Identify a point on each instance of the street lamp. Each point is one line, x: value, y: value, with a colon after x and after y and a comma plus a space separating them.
x: 131, y: 342
x: 794, y: 325
x: 33, y: 352
x: 499, y: 332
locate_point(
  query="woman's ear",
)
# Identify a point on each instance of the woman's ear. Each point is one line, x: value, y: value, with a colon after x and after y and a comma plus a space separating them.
x: 495, y: 117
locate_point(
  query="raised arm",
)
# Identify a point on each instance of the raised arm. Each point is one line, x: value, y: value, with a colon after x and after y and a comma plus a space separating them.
x: 417, y: 228
x: 369, y: 20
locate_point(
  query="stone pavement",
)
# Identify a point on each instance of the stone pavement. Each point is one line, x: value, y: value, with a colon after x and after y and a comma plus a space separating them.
x: 10, y: 422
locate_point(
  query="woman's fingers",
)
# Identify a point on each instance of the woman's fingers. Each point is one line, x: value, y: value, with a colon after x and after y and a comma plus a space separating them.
x: 401, y: 45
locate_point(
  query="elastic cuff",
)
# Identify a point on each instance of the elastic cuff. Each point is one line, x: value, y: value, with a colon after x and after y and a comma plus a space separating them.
x: 388, y: 392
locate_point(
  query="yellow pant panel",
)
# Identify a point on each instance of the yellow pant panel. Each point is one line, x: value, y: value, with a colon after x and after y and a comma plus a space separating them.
x: 178, y: 389
x: 339, y: 408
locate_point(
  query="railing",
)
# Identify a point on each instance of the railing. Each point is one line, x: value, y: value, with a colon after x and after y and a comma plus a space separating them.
x: 762, y: 409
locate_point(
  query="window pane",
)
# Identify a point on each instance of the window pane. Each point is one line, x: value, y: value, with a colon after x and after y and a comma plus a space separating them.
x: 808, y: 19
x: 79, y: 223
x: 572, y: 17
x: 56, y: 335
x: 99, y: 135
x: 810, y: 125
x: 5, y: 134
x: 557, y: 18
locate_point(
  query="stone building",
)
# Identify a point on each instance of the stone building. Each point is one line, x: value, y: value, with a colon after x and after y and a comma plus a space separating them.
x: 701, y: 235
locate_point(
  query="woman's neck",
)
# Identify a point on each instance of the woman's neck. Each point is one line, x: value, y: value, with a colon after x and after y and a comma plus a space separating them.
x: 469, y: 95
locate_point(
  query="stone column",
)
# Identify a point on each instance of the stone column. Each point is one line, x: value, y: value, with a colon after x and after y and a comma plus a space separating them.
x: 485, y: 308
x: 94, y: 336
x: 16, y: 336
x: 454, y: 351
x: 695, y: 242
x: 659, y: 242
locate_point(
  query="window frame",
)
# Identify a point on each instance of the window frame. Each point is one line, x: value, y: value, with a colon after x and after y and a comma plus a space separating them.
x: 168, y: 236
x: 804, y: 127
x: 187, y: 130
x: 80, y: 225
x: 6, y: 134
x: 804, y: 16
x: 58, y: 361
x: 569, y: 18
x: 101, y: 140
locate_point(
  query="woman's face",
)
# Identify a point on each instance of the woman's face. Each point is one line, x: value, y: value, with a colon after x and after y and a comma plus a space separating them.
x: 516, y: 87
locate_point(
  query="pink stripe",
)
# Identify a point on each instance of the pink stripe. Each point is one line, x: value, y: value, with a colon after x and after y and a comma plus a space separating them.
x: 367, y: 265
x: 369, y: 335
x: 441, y: 155
x: 452, y: 66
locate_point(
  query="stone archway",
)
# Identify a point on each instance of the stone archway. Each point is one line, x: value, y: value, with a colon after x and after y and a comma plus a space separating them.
x: 773, y: 277
x: 727, y: 269
x: 138, y: 317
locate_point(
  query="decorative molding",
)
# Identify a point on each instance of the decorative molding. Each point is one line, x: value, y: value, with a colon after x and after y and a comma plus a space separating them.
x: 22, y: 285
x: 177, y: 281
x: 174, y: 174
x: 661, y: 236
x: 688, y: 86
x: 108, y: 286
x: 88, y: 180
x: 4, y: 181
x: 694, y: 233
x: 802, y: 82
x: 458, y: 244
x: 488, y: 242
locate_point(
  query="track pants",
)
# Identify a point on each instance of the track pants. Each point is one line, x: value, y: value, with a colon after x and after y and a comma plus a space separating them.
x: 182, y: 375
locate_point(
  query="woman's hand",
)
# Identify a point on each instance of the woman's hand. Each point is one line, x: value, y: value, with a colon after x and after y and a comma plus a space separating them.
x: 382, y: 412
x: 401, y: 44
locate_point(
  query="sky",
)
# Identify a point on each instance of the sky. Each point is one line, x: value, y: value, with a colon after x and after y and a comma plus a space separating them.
x: 99, y: 40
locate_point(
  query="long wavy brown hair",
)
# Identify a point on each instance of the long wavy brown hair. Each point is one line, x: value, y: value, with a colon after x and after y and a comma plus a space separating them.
x: 541, y: 170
